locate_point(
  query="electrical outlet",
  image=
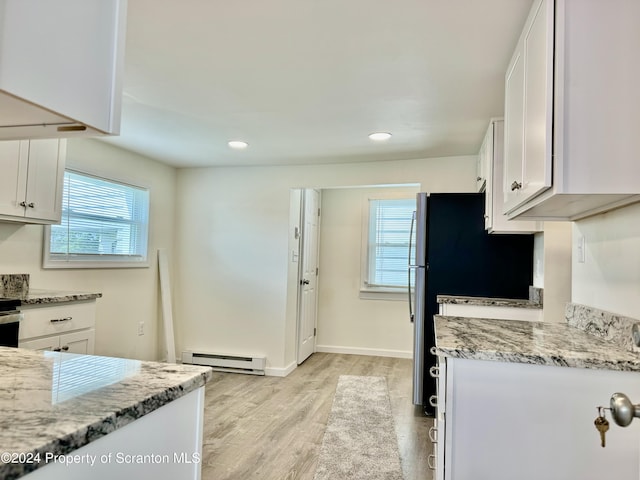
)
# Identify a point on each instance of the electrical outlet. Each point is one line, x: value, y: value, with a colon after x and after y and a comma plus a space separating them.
x: 141, y: 328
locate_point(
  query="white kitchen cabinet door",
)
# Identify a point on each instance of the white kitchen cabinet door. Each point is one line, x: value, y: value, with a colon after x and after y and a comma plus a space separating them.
x: 528, y: 422
x: 45, y: 179
x: 538, y: 101
x: 66, y: 59
x: 14, y: 159
x: 513, y: 130
x: 495, y: 221
x: 528, y: 109
x: 41, y: 344
x: 482, y: 167
x: 32, y: 180
x: 82, y: 341
x: 581, y: 111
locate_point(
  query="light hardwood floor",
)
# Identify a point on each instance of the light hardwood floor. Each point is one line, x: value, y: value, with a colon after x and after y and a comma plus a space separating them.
x: 270, y: 428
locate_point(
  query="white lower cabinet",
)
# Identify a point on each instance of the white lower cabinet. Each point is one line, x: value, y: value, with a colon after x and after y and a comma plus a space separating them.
x: 166, y: 444
x: 67, y: 327
x: 508, y: 421
x: 82, y: 341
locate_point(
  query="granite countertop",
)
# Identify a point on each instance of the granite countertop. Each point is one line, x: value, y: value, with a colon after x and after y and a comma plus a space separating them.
x: 38, y: 297
x: 488, y: 301
x: 55, y: 403
x: 539, y: 343
x: 16, y: 286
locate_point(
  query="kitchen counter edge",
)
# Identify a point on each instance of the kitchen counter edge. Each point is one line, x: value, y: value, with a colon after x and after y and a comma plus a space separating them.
x: 487, y: 301
x: 44, y: 297
x: 175, y: 381
x: 538, y: 343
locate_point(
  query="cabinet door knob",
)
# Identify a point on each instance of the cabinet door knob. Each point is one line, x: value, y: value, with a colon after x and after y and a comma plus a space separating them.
x: 478, y: 179
x: 23, y: 204
x: 65, y: 348
x: 56, y: 349
x: 32, y: 205
x: 516, y: 186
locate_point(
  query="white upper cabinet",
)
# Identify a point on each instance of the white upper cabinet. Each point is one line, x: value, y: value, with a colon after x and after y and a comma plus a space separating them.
x: 528, y: 102
x: 572, y: 111
x: 482, y: 168
x: 32, y: 180
x: 492, y: 153
x: 61, y: 66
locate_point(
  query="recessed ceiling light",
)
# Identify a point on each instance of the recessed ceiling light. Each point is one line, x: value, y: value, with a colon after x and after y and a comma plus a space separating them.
x: 380, y: 136
x: 238, y: 144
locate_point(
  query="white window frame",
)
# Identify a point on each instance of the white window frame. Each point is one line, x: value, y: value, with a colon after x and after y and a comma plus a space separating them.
x: 91, y: 261
x: 368, y: 292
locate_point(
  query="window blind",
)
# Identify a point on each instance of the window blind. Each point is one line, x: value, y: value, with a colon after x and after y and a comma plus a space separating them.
x: 102, y: 220
x: 389, y: 229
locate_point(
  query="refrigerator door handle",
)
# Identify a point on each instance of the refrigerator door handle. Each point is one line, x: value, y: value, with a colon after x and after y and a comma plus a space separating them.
x: 411, y: 314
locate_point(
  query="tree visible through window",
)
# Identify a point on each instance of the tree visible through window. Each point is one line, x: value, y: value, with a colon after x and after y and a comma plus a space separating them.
x: 102, y: 221
x: 388, y: 246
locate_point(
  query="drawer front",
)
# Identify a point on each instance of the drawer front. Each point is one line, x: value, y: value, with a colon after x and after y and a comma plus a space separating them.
x: 52, y: 320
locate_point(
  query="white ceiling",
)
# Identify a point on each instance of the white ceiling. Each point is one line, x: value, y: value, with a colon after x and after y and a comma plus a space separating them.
x: 305, y: 81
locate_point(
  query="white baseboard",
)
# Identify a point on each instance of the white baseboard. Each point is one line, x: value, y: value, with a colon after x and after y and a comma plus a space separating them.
x: 364, y: 351
x: 280, y: 372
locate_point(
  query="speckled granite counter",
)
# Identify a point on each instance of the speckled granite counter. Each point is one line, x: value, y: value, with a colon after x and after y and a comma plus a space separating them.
x: 488, y: 301
x: 55, y: 402
x: 529, y: 342
x: 40, y: 297
x: 16, y: 286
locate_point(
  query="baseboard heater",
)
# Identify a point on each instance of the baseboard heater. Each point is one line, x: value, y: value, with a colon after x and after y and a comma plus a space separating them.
x: 226, y: 363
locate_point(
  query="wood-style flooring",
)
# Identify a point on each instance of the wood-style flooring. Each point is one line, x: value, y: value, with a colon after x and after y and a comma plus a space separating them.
x: 271, y: 428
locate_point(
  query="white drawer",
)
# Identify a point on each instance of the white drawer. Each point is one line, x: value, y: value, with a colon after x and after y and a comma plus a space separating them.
x: 51, y: 320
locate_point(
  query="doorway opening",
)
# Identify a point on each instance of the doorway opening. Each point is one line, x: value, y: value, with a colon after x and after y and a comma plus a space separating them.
x: 340, y: 309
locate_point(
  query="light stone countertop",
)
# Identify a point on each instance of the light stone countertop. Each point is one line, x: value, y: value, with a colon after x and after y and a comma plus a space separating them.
x: 487, y: 301
x: 55, y: 402
x: 16, y: 286
x: 39, y: 297
x: 538, y: 343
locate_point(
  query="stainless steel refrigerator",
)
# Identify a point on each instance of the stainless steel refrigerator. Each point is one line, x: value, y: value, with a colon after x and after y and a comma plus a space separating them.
x: 454, y: 255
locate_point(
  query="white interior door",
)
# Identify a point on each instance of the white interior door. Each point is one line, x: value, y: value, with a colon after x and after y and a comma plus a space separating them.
x: 308, y: 293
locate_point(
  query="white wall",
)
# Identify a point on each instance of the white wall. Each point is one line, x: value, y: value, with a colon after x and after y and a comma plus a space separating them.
x: 347, y: 323
x: 557, y: 270
x: 538, y: 260
x: 609, y: 279
x: 129, y: 295
x: 232, y: 243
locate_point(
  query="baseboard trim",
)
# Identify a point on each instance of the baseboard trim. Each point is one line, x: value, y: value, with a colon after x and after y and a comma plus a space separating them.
x: 364, y: 351
x: 280, y: 372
